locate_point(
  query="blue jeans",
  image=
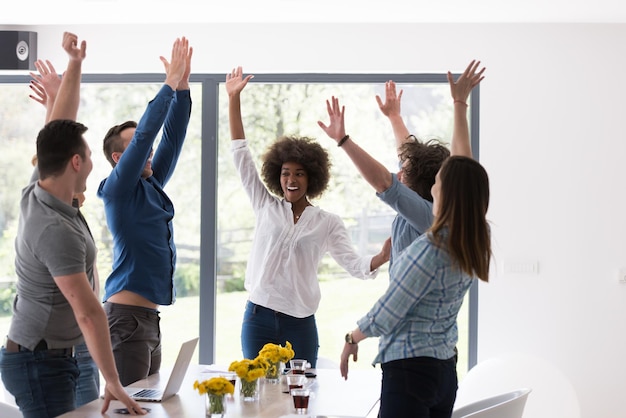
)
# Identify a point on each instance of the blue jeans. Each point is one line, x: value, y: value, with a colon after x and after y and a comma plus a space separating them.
x: 88, y: 385
x: 262, y: 325
x: 136, y: 340
x: 420, y: 387
x: 42, y: 383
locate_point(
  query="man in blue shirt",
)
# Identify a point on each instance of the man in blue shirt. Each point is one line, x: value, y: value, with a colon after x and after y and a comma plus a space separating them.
x: 139, y: 215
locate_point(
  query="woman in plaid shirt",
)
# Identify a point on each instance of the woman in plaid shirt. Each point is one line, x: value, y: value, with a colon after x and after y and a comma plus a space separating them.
x: 416, y: 317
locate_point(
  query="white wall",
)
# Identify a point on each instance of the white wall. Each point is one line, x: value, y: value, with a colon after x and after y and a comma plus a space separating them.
x: 551, y: 138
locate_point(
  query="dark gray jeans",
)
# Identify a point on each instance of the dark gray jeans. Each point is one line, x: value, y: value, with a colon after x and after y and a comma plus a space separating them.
x: 136, y: 340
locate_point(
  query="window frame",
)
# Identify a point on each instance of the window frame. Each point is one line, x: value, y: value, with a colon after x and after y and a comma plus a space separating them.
x: 208, y: 189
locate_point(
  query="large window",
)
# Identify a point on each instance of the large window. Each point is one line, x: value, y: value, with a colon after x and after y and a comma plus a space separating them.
x: 102, y: 106
x: 214, y: 222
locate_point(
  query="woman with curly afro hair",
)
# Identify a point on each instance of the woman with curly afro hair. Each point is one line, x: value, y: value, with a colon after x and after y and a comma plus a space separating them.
x: 291, y: 237
x: 301, y: 150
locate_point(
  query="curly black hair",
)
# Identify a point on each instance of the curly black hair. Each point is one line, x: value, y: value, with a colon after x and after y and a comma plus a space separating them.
x: 423, y: 161
x: 301, y: 150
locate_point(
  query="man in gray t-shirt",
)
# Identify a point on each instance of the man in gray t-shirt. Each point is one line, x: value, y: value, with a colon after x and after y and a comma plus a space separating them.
x: 55, y: 306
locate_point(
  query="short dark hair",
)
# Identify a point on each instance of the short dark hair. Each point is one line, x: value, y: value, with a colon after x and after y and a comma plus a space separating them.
x: 302, y: 150
x: 57, y: 142
x: 462, y: 210
x: 113, y: 141
x: 423, y: 161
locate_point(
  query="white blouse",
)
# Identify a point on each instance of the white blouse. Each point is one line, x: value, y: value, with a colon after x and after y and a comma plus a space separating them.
x: 282, y: 269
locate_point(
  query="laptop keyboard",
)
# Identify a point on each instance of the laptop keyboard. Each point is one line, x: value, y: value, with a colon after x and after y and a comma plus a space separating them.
x: 148, y: 393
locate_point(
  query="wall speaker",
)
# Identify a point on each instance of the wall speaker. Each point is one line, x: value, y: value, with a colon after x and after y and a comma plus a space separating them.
x: 18, y: 50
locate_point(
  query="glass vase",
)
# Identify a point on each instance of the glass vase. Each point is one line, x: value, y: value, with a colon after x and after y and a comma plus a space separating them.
x: 272, y: 376
x: 249, y: 390
x: 215, y: 406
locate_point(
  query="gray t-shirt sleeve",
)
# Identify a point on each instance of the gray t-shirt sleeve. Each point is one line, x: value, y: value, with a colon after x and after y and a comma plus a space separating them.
x: 64, y: 256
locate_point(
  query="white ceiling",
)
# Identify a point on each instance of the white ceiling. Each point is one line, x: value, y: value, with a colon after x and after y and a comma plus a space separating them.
x: 39, y: 12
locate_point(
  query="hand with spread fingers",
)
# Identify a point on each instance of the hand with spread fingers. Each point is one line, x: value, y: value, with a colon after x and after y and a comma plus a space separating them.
x: 462, y: 87
x: 336, y: 129
x: 391, y: 106
x: 236, y: 82
x: 44, y: 84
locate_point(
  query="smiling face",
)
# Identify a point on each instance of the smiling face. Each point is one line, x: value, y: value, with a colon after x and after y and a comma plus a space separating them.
x: 86, y: 166
x: 294, y: 181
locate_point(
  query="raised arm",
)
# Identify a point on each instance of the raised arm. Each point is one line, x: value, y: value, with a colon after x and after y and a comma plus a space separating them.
x: 372, y: 171
x: 392, y: 109
x: 68, y: 98
x: 176, y: 122
x: 235, y: 83
x: 45, y: 86
x: 460, y: 91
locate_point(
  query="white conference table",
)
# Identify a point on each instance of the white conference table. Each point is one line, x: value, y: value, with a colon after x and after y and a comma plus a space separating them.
x: 333, y: 397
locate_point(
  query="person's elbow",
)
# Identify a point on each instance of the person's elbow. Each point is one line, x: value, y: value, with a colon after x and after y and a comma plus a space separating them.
x: 382, y: 183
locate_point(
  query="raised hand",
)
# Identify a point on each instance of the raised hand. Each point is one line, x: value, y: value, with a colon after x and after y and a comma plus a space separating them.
x: 336, y: 129
x: 176, y: 67
x: 44, y: 85
x: 70, y: 45
x: 460, y: 91
x: 391, y: 106
x: 235, y: 82
x: 463, y: 86
x: 184, y: 82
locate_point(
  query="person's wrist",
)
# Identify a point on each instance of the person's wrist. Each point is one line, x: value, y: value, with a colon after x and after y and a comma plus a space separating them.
x: 349, y: 339
x: 343, y: 140
x: 460, y: 102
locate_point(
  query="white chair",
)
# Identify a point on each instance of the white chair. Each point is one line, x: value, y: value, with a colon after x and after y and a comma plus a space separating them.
x: 506, y: 405
x: 553, y: 393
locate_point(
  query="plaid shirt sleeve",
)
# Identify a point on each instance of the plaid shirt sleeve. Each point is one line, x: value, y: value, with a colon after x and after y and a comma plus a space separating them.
x: 411, y: 277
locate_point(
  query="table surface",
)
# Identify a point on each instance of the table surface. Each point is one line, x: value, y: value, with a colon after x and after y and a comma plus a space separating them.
x: 332, y: 397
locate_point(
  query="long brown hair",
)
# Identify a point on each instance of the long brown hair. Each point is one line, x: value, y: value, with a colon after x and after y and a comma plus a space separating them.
x: 462, y: 210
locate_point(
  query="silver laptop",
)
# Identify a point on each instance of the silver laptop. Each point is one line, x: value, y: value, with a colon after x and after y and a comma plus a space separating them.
x: 175, y: 380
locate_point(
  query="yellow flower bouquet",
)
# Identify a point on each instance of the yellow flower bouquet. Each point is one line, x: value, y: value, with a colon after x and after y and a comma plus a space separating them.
x: 249, y: 371
x: 215, y: 388
x: 276, y: 354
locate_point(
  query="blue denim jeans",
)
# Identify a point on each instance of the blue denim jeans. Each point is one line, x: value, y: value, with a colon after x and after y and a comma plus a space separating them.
x: 262, y: 325
x: 420, y: 387
x: 43, y: 384
x: 88, y: 384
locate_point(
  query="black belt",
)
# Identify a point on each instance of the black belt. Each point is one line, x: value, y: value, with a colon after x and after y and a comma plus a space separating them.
x: 256, y: 308
x: 13, y: 347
